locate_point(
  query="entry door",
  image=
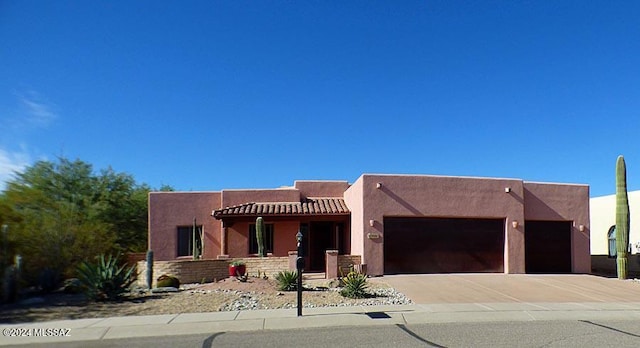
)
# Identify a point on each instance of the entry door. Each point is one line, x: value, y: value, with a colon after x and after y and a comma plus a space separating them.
x: 321, y: 238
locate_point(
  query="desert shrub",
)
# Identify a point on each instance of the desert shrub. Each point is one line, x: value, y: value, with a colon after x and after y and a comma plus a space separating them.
x: 167, y: 281
x: 287, y: 280
x: 355, y: 285
x: 106, y: 279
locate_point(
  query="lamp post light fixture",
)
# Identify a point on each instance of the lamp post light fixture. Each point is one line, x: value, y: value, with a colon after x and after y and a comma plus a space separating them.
x: 299, y: 268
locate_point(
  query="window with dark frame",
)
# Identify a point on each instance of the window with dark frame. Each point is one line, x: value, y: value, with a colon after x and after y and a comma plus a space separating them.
x: 611, y: 238
x: 268, y: 239
x: 185, y: 240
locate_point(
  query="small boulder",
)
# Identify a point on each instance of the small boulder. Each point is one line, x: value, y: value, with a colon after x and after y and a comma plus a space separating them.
x: 73, y: 286
x: 166, y: 280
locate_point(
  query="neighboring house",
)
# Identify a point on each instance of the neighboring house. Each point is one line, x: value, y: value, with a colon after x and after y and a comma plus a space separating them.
x: 603, y: 239
x: 603, y: 221
x: 395, y: 223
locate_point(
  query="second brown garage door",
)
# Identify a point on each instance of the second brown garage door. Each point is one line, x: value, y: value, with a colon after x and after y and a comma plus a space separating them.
x: 547, y: 246
x: 443, y: 245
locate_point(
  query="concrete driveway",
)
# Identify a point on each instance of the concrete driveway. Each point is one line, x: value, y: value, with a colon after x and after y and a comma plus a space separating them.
x: 512, y: 288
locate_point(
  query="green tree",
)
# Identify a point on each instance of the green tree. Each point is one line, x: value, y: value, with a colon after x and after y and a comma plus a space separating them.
x: 61, y: 213
x: 123, y: 205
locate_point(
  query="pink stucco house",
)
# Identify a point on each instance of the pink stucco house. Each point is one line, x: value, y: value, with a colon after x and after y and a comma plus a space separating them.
x: 395, y: 223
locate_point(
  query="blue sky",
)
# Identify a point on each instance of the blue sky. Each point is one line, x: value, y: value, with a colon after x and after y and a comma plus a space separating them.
x: 256, y: 94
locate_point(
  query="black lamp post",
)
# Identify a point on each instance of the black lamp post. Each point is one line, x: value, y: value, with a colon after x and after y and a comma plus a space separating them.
x: 299, y: 268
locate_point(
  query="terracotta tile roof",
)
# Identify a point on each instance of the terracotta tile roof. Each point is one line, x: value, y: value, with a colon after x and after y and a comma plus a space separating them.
x: 310, y: 206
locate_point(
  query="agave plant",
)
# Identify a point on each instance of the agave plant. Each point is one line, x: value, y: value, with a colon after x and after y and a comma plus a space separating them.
x: 287, y: 280
x: 355, y: 285
x: 106, y: 279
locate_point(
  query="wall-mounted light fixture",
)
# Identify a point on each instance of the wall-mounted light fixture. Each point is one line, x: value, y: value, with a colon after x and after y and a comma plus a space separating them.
x: 581, y: 228
x: 372, y: 222
x: 515, y: 223
x: 378, y: 185
x: 507, y: 189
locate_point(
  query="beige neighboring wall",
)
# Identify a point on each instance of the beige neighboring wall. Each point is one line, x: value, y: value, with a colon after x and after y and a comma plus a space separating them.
x: 603, y: 216
x: 172, y: 209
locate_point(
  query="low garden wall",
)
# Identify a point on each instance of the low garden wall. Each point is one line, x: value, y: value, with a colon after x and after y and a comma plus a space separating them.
x: 134, y: 258
x: 198, y: 271
x: 345, y: 262
x: 605, y: 266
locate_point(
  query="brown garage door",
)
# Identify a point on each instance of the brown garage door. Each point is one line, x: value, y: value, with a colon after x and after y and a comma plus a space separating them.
x: 547, y: 246
x: 440, y: 245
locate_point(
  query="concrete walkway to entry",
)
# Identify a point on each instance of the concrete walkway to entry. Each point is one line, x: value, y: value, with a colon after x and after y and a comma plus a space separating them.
x: 513, y: 288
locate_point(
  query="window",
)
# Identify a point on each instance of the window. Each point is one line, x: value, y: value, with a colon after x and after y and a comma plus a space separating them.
x: 611, y: 236
x: 268, y: 239
x: 186, y: 240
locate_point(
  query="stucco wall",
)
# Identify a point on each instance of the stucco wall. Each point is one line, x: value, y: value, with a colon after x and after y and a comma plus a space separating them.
x: 563, y: 202
x: 457, y: 197
x: 353, y: 200
x: 236, y: 197
x: 439, y: 196
x: 603, y: 216
x: 167, y: 210
x: 321, y: 188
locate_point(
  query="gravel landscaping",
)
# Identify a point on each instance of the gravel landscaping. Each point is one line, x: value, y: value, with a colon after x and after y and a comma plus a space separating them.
x: 225, y: 295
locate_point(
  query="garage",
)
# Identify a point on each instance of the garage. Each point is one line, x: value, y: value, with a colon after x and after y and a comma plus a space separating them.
x: 443, y: 245
x: 547, y: 246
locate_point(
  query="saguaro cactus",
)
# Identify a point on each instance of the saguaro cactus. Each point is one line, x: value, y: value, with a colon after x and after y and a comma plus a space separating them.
x: 149, y: 269
x: 260, y: 236
x: 622, y: 218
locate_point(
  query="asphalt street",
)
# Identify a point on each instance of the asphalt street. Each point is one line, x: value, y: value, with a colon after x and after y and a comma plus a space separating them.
x: 575, y: 333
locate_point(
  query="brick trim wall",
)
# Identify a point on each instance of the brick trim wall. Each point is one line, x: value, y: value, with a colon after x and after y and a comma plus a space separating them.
x: 196, y: 271
x: 347, y: 261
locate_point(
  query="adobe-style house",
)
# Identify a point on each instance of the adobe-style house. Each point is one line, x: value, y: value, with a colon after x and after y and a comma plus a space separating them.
x: 395, y: 223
